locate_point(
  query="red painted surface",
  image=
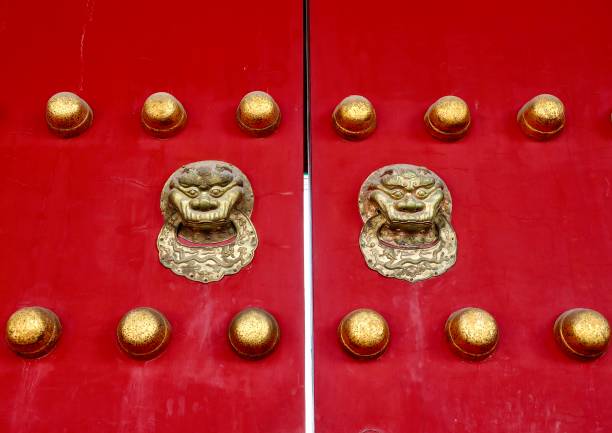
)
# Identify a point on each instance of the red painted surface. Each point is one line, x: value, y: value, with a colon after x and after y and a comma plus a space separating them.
x: 532, y: 219
x: 81, y: 216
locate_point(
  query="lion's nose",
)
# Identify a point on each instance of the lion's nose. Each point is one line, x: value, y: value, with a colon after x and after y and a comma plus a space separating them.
x: 410, y: 205
x: 202, y: 204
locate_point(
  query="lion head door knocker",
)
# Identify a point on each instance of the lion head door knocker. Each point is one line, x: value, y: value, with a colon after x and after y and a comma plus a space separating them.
x: 407, y: 232
x: 207, y: 230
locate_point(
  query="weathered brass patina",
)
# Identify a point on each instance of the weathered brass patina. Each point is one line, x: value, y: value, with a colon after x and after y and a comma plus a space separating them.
x: 143, y: 333
x: 33, y: 332
x: 253, y: 333
x: 258, y: 114
x: 162, y: 115
x: 448, y: 118
x: 582, y: 333
x: 354, y: 118
x: 407, y: 232
x: 364, y: 333
x: 207, y: 230
x: 472, y: 333
x: 542, y: 118
x: 68, y: 115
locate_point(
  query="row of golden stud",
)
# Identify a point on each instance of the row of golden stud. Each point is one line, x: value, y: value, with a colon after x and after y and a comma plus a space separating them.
x: 354, y: 118
x: 142, y: 333
x: 473, y: 333
x: 162, y: 115
x: 449, y: 119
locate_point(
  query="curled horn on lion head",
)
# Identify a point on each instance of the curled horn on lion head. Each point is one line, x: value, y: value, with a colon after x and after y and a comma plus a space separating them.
x: 207, y: 230
x: 407, y: 232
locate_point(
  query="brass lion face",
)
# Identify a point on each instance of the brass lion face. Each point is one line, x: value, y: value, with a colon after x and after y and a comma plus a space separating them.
x: 207, y: 232
x: 407, y: 232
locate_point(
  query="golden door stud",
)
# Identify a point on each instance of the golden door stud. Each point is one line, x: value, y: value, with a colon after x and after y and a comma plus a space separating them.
x: 364, y: 333
x: 472, y: 333
x: 542, y: 118
x: 163, y: 115
x: 143, y: 333
x: 354, y: 118
x: 253, y: 333
x: 258, y: 114
x: 582, y: 333
x: 68, y: 115
x: 33, y: 332
x: 448, y: 118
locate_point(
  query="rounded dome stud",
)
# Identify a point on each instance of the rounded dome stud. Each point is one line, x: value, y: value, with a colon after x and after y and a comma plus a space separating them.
x: 68, y: 115
x: 163, y: 115
x: 364, y: 333
x: 354, y: 118
x: 472, y: 333
x: 448, y: 118
x: 542, y: 118
x: 253, y: 333
x: 33, y: 332
x: 258, y: 114
x: 143, y: 333
x: 582, y: 333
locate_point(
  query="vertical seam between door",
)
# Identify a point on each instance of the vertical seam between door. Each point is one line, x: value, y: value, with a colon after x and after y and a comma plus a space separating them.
x: 307, y: 224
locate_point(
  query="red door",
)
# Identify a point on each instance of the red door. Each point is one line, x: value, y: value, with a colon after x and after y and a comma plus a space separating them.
x: 82, y: 215
x: 531, y: 218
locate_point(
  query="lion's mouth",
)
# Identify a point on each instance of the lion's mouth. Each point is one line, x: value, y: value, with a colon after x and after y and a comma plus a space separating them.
x: 411, y: 226
x: 418, y: 235
x: 188, y: 243
x: 408, y: 246
x: 207, y: 225
x: 214, y: 235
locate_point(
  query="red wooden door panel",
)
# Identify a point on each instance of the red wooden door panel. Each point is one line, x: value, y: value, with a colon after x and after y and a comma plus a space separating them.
x: 531, y: 218
x: 81, y: 216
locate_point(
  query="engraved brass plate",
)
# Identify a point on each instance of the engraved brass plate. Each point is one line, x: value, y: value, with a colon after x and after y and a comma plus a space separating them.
x: 207, y: 230
x: 407, y: 232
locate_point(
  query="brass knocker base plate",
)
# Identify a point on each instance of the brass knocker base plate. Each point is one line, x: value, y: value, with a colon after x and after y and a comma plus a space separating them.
x: 407, y: 232
x: 212, y: 201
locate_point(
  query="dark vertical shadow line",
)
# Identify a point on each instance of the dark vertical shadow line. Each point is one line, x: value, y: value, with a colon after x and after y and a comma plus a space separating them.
x: 306, y: 71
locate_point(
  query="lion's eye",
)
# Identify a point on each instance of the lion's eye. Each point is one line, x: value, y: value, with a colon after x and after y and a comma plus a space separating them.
x: 421, y: 193
x: 216, y: 191
x: 397, y: 193
x: 192, y: 192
